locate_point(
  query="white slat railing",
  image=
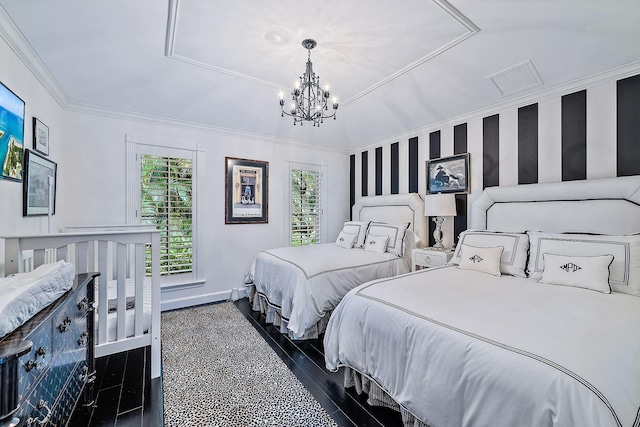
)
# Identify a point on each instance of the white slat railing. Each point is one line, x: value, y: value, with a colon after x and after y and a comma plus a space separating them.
x: 116, y: 255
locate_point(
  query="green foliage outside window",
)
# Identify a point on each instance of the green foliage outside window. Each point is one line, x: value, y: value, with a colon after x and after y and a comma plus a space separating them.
x: 166, y: 191
x: 305, y: 208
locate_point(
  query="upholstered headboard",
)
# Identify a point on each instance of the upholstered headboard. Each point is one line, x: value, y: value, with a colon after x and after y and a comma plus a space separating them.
x: 605, y: 206
x: 394, y: 209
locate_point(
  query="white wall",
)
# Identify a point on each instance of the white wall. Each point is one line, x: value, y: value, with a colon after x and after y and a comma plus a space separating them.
x: 90, y: 152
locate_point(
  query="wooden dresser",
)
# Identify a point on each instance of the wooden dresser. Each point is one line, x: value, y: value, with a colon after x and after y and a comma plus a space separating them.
x: 47, y: 364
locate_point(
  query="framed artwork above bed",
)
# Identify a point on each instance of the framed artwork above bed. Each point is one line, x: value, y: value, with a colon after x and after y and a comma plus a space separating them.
x: 448, y: 174
x: 246, y: 191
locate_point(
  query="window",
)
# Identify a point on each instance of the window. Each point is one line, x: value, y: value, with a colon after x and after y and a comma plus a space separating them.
x: 166, y: 187
x: 306, y: 205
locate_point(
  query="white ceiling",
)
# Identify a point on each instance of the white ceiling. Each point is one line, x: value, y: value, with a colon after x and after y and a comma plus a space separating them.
x: 395, y: 66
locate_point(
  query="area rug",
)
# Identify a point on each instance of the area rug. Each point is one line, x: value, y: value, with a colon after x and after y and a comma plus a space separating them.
x: 218, y: 371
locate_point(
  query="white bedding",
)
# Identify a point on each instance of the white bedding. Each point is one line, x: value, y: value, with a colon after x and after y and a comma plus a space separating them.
x: 462, y: 348
x: 304, y: 283
x: 112, y: 316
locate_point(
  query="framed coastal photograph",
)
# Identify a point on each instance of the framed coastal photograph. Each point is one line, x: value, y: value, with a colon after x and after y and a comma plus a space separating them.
x: 246, y: 191
x: 38, y: 172
x: 40, y: 137
x: 448, y: 174
x: 11, y: 135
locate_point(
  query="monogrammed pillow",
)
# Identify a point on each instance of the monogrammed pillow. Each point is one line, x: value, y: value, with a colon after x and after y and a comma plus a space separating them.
x: 514, y: 256
x: 346, y: 240
x: 376, y: 243
x: 484, y: 260
x: 588, y: 272
x: 624, y: 271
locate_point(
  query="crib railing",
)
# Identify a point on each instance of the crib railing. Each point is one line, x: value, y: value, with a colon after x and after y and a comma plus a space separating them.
x: 118, y: 256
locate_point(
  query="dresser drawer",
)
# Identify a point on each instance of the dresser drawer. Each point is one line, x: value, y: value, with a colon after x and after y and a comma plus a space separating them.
x: 33, y: 364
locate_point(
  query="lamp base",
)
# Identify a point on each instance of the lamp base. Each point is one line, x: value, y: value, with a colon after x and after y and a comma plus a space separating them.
x: 437, y: 233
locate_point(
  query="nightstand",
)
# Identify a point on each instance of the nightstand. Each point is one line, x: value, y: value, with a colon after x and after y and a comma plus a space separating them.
x: 429, y: 257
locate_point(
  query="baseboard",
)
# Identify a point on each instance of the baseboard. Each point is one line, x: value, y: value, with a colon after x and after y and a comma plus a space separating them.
x: 176, y: 303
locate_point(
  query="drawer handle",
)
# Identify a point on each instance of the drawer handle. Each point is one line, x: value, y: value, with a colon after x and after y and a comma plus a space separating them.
x: 82, y: 305
x: 83, y: 338
x: 42, y: 351
x: 86, y: 377
x: 427, y: 258
x: 41, y: 405
x: 64, y: 326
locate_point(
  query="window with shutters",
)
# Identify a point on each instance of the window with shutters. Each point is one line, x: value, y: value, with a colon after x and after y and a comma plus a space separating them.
x: 166, y: 187
x: 306, y: 207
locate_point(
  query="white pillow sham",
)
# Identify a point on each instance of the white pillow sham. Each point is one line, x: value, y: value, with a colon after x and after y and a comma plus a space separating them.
x: 624, y: 272
x: 514, y: 256
x: 482, y: 259
x: 588, y: 272
x: 396, y: 235
x: 346, y: 240
x: 359, y: 228
x: 376, y: 243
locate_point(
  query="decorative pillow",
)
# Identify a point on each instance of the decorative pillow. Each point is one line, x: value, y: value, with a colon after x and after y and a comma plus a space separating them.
x: 484, y: 260
x: 624, y: 272
x: 396, y: 235
x: 514, y: 256
x: 359, y: 228
x: 588, y: 272
x: 346, y: 240
x: 376, y: 243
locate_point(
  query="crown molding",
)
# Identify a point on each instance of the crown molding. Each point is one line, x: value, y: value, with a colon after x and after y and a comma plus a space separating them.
x: 583, y: 83
x: 113, y: 113
x: 21, y: 47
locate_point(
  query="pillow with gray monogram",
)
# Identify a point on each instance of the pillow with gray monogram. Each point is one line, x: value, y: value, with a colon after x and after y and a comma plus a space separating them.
x: 484, y: 260
x: 346, y: 240
x: 588, y: 272
x: 376, y: 243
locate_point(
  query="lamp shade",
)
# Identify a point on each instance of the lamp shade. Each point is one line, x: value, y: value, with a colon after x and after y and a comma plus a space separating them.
x: 440, y: 205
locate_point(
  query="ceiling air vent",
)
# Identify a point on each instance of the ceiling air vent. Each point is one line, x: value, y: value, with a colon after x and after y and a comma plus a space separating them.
x: 517, y: 78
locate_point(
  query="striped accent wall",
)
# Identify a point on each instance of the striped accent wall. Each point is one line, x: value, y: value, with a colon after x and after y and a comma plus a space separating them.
x: 588, y: 134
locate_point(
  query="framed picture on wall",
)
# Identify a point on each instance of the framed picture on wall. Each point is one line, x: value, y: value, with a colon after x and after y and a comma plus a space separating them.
x: 11, y: 135
x: 448, y: 174
x: 38, y: 173
x: 246, y: 191
x: 40, y: 137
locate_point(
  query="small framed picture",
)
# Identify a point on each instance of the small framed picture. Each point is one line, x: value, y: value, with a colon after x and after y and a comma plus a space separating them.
x: 39, y: 176
x: 246, y: 191
x: 448, y: 174
x: 40, y: 137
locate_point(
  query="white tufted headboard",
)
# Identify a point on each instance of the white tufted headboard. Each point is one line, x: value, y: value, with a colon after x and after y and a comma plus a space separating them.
x: 604, y: 206
x: 394, y: 209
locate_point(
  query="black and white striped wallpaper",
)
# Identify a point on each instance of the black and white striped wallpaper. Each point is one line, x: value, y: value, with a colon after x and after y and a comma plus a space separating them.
x: 587, y: 134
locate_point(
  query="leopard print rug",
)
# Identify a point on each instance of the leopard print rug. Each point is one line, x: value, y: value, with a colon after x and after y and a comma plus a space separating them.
x: 218, y: 371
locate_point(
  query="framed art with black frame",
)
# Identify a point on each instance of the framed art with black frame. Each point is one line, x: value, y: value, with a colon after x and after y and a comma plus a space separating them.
x: 40, y: 137
x: 448, y: 174
x: 38, y: 173
x: 11, y: 135
x: 246, y: 191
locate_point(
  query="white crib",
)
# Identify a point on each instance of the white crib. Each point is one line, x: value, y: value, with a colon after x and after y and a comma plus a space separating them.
x: 119, y: 256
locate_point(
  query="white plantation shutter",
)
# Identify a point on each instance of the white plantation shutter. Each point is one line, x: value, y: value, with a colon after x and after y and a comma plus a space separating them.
x: 306, y: 207
x: 166, y: 187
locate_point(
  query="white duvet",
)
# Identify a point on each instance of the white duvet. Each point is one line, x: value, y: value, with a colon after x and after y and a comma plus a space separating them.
x: 306, y: 282
x: 23, y: 295
x: 462, y: 348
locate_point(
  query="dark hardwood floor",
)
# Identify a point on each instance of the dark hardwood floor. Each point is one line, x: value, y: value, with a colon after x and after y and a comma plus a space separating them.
x: 125, y: 395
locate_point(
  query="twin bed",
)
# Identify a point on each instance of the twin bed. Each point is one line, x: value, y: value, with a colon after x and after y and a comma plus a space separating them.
x: 297, y: 288
x: 467, y: 345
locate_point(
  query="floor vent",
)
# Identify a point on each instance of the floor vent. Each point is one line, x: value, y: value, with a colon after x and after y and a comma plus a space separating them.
x: 517, y: 78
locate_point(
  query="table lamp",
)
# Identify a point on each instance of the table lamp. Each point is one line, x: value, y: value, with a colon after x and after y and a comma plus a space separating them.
x: 438, y: 206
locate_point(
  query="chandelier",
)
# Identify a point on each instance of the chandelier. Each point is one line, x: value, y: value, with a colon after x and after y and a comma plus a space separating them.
x: 309, y: 100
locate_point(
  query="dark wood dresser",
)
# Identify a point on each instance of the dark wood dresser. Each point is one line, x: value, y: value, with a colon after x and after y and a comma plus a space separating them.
x: 47, y: 364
